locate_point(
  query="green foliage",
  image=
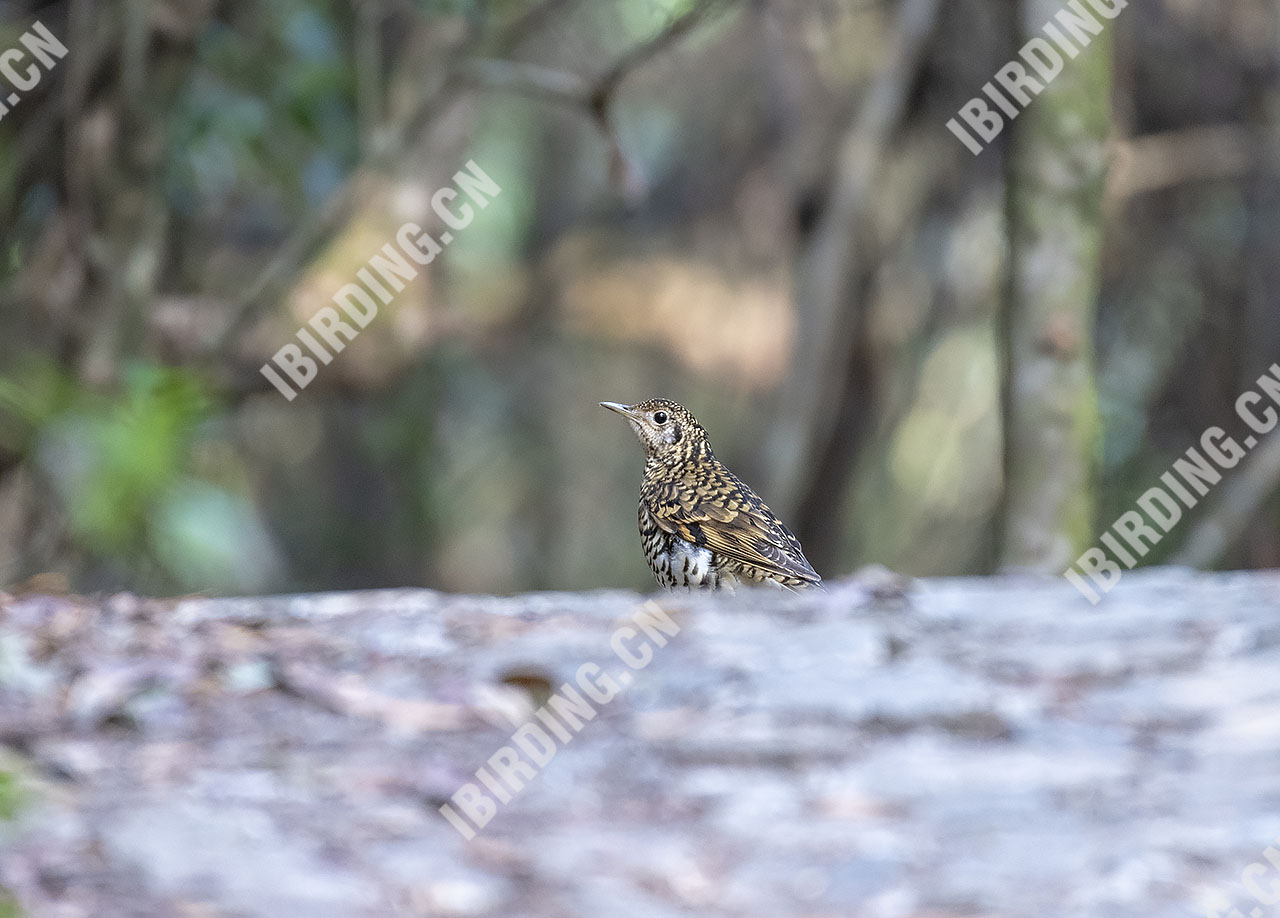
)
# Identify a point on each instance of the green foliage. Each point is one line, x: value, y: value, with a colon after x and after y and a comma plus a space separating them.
x: 127, y: 468
x: 456, y: 7
x: 211, y: 538
x: 28, y: 398
x: 9, y: 907
x: 12, y: 800
x: 272, y: 110
x: 643, y: 18
x: 502, y: 143
x: 116, y: 456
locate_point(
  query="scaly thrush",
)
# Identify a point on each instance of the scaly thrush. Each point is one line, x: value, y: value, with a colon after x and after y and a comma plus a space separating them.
x: 699, y: 524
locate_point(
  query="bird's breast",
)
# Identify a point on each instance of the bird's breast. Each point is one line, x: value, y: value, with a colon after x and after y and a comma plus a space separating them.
x: 674, y: 561
x: 690, y: 565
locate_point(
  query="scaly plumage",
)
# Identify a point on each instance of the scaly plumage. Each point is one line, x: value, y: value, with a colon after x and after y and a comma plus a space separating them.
x: 699, y: 524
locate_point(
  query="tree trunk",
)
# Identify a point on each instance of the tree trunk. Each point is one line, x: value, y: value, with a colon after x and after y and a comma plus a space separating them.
x: 1054, y: 195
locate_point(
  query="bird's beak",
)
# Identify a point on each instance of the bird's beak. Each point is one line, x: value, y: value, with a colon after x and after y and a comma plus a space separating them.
x: 624, y: 410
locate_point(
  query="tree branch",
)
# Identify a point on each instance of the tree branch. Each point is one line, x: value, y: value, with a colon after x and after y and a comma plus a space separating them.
x: 829, y: 263
x: 1155, y: 162
x: 1237, y: 504
x: 527, y: 79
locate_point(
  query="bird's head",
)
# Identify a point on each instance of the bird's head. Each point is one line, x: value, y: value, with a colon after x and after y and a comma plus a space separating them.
x: 667, y: 431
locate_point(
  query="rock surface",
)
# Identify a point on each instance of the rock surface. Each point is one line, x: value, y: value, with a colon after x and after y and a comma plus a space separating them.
x: 966, y: 748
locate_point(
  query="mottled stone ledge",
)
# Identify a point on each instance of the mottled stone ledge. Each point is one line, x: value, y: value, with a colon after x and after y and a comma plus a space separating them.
x: 968, y: 747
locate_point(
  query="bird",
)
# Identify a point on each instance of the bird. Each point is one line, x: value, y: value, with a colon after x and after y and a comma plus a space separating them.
x: 700, y: 526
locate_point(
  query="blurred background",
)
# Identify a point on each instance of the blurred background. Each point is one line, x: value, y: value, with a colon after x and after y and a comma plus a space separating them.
x: 936, y: 361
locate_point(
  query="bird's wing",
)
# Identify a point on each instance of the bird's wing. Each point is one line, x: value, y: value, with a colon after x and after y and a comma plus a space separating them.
x: 719, y: 511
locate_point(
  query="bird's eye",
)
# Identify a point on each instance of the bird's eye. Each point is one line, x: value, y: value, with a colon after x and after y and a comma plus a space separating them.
x: 659, y: 417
